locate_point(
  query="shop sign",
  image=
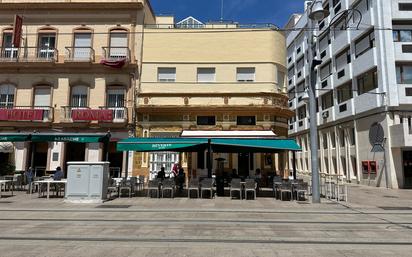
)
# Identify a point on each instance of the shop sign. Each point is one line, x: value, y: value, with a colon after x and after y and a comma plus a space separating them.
x: 21, y: 114
x: 92, y: 115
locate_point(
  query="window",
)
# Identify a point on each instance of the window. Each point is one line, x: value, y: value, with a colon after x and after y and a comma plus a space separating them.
x: 42, y: 96
x: 301, y: 87
x: 404, y: 74
x: 302, y: 112
x: 82, y: 45
x: 300, y: 64
x: 118, y: 44
x: 344, y: 92
x: 245, y: 74
x: 325, y: 141
x: 166, y: 74
x: 206, y: 120
x: 7, y: 95
x: 365, y: 43
x: 291, y: 72
x: 79, y: 96
x: 324, y: 42
x: 47, y: 44
x: 335, y: 2
x: 281, y: 79
x: 333, y: 139
x: 327, y: 100
x: 7, y: 50
x: 342, y: 138
x: 206, y: 75
x: 116, y: 102
x: 291, y: 94
x: 367, y: 82
x: 405, y: 7
x: 352, y: 136
x: 246, y: 120
x: 325, y: 71
x: 342, y: 59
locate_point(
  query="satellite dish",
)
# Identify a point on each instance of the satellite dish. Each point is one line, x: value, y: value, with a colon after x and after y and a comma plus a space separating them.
x: 376, y: 134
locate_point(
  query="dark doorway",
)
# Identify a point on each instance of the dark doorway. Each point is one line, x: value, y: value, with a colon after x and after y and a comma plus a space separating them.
x: 116, y: 160
x: 243, y: 164
x: 75, y: 152
x: 38, y: 157
x: 407, y: 169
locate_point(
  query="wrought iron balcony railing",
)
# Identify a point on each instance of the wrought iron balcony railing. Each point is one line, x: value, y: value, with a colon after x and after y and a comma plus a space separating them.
x: 28, y: 54
x: 79, y: 54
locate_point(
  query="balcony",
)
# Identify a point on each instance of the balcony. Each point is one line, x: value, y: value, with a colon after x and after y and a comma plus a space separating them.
x: 113, y: 54
x: 79, y: 54
x: 72, y: 114
x: 28, y: 54
x: 43, y: 114
x: 401, y: 135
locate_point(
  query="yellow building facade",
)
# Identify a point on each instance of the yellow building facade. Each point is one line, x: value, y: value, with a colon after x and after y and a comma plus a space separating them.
x: 75, y: 71
x: 211, y: 77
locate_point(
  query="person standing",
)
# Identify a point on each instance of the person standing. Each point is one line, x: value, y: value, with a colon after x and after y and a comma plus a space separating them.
x: 29, y: 178
x: 161, y: 174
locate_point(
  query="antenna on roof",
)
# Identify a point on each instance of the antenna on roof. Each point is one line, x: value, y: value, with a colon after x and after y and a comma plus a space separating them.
x: 221, y: 11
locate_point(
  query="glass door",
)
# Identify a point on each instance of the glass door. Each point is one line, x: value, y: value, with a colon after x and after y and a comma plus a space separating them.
x: 118, y: 45
x: 46, y: 46
x: 115, y: 102
x: 7, y: 50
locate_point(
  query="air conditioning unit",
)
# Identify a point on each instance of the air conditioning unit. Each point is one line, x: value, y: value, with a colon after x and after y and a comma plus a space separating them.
x: 325, y: 115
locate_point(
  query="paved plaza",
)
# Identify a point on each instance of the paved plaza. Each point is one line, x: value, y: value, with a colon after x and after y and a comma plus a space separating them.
x: 375, y: 222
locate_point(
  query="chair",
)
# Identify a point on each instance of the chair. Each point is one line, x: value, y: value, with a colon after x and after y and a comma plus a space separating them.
x: 193, y: 186
x: 133, y: 183
x: 277, y: 181
x: 112, y: 188
x: 168, y: 185
x: 301, y: 189
x: 125, y: 185
x: 153, y: 185
x: 235, y: 185
x: 286, y: 187
x: 250, y: 186
x: 140, y: 183
x: 342, y: 192
x: 206, y: 184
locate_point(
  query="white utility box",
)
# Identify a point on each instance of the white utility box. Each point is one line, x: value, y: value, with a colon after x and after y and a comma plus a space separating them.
x: 87, y: 182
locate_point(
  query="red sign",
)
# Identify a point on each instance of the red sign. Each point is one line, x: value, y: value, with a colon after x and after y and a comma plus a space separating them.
x: 90, y: 115
x: 17, y: 30
x: 21, y: 114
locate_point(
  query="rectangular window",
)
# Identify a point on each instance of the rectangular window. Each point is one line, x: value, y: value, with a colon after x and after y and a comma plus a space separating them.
x: 367, y: 82
x: 291, y: 94
x: 302, y: 112
x: 47, y: 45
x: 324, y: 42
x: 206, y: 74
x: 245, y: 74
x: 344, y: 92
x: 82, y: 46
x: 365, y: 43
x: 166, y: 74
x: 342, y: 59
x: 396, y: 35
x: 333, y: 139
x: 291, y: 72
x: 405, y: 7
x: 325, y: 71
x: 327, y: 100
x: 300, y: 64
x: 206, y: 120
x: 404, y: 74
x: 246, y: 120
x: 342, y: 138
x: 42, y: 97
x: 281, y: 79
x: 200, y: 160
x: 352, y: 136
x: 325, y: 141
x: 118, y: 44
x: 405, y: 35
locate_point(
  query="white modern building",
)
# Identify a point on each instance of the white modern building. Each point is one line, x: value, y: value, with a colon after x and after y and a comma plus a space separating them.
x: 364, y: 90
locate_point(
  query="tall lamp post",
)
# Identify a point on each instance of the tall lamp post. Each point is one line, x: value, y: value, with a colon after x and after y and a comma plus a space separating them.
x: 315, y: 13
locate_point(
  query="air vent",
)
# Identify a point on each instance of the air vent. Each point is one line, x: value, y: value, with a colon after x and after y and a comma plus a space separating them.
x: 406, y: 48
x: 341, y: 74
x: 324, y: 84
x: 325, y: 115
x: 300, y: 123
x: 299, y: 74
x: 343, y: 108
x: 290, y: 104
x: 323, y: 54
x: 290, y: 127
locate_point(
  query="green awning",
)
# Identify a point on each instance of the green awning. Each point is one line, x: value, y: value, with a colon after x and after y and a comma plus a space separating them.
x: 223, y: 145
x: 75, y: 138
x: 162, y: 144
x: 14, y: 137
x: 233, y: 145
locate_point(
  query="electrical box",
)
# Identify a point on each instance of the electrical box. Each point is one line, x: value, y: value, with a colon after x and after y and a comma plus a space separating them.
x: 87, y: 182
x: 369, y: 167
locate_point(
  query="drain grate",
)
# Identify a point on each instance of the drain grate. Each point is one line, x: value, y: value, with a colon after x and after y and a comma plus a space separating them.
x: 111, y: 206
x: 401, y: 208
x: 390, y: 196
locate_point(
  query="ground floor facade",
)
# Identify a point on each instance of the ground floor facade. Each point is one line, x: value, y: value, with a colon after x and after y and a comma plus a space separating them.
x: 374, y: 149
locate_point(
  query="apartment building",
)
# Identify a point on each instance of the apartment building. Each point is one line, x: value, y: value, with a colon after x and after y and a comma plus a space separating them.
x: 363, y: 90
x: 209, y: 79
x: 73, y: 74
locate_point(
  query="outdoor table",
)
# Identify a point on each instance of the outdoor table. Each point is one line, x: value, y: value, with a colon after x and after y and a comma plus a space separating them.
x: 48, y: 182
x: 5, y: 182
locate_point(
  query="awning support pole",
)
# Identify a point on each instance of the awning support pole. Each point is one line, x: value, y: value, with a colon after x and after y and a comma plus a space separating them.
x: 209, y: 158
x: 33, y: 151
x: 127, y: 165
x: 294, y: 164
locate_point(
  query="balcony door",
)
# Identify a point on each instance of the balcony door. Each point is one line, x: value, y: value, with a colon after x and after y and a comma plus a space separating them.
x: 47, y: 44
x: 7, y: 96
x: 116, y: 102
x: 79, y: 97
x: 118, y: 44
x: 7, y: 50
x: 42, y: 100
x: 82, y: 46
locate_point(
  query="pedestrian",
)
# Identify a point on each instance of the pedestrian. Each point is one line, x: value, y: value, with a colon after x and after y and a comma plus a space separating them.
x: 181, y: 179
x: 161, y: 174
x: 258, y: 179
x: 29, y: 178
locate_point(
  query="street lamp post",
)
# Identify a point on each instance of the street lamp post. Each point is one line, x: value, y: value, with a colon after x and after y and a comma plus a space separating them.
x: 315, y: 13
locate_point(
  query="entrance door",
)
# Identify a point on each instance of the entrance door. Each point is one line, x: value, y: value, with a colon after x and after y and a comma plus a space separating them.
x: 38, y: 153
x: 407, y: 169
x: 243, y: 164
x: 116, y: 160
x: 75, y: 152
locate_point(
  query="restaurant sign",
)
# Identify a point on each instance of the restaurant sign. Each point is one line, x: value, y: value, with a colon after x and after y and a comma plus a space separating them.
x: 21, y: 114
x: 92, y: 115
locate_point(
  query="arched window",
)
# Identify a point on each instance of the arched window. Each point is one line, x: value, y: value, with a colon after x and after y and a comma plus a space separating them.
x: 7, y: 92
x: 7, y: 44
x: 118, y: 44
x: 79, y: 96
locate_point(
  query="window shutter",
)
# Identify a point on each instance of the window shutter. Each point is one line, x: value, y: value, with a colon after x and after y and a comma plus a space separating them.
x: 42, y: 97
x: 206, y: 75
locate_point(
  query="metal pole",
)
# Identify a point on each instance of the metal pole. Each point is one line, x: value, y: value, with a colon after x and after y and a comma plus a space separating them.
x: 294, y: 164
x: 313, y: 121
x: 209, y: 158
x: 127, y: 165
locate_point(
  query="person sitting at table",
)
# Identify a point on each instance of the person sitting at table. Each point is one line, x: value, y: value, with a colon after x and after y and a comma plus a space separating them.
x: 181, y: 179
x: 258, y: 179
x: 58, y: 175
x: 161, y: 174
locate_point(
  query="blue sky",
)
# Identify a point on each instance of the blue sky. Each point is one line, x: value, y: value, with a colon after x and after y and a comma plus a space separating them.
x: 242, y: 11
